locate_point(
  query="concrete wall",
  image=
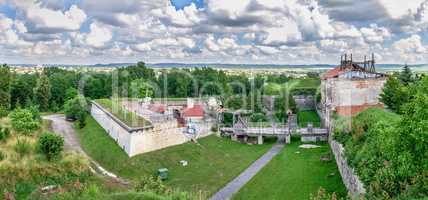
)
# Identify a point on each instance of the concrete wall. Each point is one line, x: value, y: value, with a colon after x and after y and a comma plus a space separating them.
x: 305, y: 102
x: 114, y: 129
x: 160, y: 136
x: 352, y: 182
x: 314, y: 138
x: 349, y: 92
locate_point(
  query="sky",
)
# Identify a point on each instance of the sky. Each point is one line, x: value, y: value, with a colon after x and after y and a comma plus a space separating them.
x: 212, y: 31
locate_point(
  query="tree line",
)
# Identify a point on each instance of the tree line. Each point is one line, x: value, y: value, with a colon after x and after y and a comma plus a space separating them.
x: 50, y: 89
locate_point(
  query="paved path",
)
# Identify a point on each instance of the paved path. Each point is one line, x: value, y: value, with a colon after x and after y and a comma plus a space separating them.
x: 64, y: 128
x: 237, y: 183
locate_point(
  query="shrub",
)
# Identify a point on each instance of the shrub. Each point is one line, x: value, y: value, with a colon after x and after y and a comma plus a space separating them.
x: 22, y: 147
x: 50, y: 145
x: 2, y: 156
x: 23, y: 121
x: 151, y: 184
x: 3, y: 112
x: 258, y: 117
x: 4, y: 133
x: 35, y: 112
x: 76, y: 109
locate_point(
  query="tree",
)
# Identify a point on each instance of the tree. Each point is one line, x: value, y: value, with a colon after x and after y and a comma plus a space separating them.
x: 5, y: 87
x: 42, y: 92
x: 258, y: 117
x: 141, y: 89
x: 394, y: 94
x: 70, y: 93
x: 406, y: 75
x: 51, y: 145
x: 22, y: 90
x: 23, y: 121
x: 76, y: 109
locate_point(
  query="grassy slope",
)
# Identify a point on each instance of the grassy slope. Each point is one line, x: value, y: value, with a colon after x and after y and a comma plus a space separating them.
x: 211, y: 165
x: 303, y: 117
x: 294, y: 176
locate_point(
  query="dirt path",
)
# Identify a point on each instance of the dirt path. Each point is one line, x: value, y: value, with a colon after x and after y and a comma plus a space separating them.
x: 236, y: 184
x: 64, y: 128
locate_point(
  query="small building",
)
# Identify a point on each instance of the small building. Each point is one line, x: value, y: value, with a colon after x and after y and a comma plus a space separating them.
x: 193, y: 113
x: 350, y: 88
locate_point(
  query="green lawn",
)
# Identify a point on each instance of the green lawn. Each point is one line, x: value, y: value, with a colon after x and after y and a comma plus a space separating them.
x: 294, y: 176
x: 306, y: 83
x: 129, y: 118
x: 212, y: 164
x: 303, y: 117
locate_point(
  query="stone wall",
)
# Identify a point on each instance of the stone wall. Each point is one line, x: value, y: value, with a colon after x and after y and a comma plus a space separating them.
x: 304, y: 102
x: 352, y: 182
x: 141, y: 140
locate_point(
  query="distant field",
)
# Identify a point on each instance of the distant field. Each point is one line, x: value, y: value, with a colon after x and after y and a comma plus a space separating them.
x: 212, y: 164
x: 294, y: 84
x: 295, y: 176
x: 129, y: 118
x: 304, y: 117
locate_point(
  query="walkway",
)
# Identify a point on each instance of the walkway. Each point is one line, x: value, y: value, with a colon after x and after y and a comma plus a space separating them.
x: 64, y: 128
x: 236, y: 184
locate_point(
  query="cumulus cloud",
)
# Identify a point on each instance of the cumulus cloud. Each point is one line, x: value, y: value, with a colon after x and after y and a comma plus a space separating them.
x: 275, y: 31
x: 44, y: 20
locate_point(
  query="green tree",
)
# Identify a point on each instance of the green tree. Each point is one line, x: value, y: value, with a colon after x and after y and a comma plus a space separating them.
x: 406, y: 75
x: 70, y: 93
x: 394, y: 94
x: 23, y: 121
x: 50, y: 144
x: 22, y: 90
x: 141, y: 89
x: 76, y: 109
x: 5, y: 87
x: 42, y: 92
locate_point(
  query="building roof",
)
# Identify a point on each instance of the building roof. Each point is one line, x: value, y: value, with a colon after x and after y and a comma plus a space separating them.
x: 335, y: 72
x: 159, y: 108
x: 195, y: 111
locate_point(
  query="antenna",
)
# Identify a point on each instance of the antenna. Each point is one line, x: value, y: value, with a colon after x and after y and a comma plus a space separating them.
x: 365, y: 63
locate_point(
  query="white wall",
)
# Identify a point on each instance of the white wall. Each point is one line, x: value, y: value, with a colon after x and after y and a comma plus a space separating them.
x: 162, y: 135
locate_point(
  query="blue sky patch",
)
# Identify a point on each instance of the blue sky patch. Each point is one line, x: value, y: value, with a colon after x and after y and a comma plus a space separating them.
x: 8, y: 11
x: 180, y: 4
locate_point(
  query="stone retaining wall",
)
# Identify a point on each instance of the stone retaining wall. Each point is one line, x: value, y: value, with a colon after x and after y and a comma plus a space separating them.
x: 352, y: 182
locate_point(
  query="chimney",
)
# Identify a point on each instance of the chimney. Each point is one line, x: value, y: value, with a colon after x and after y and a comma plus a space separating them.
x: 190, y: 103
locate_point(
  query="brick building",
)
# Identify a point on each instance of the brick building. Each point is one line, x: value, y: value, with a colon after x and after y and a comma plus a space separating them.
x: 351, y: 88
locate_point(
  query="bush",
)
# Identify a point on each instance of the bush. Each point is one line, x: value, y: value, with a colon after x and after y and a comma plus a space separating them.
x: 23, y: 121
x: 22, y: 147
x: 50, y: 145
x: 2, y: 156
x: 152, y: 184
x: 76, y: 109
x: 35, y: 112
x: 4, y: 133
x: 3, y: 112
x: 258, y: 117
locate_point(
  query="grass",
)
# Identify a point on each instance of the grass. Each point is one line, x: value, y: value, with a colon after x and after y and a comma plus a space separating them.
x: 212, y: 164
x: 294, y: 84
x: 304, y: 117
x: 23, y: 170
x: 306, y: 83
x: 294, y: 176
x: 129, y: 118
